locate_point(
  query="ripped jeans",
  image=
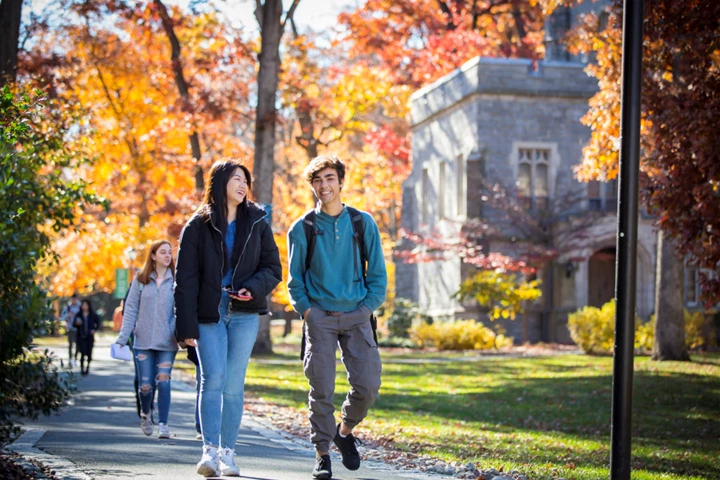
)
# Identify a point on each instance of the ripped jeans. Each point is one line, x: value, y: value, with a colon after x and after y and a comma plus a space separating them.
x: 154, y: 366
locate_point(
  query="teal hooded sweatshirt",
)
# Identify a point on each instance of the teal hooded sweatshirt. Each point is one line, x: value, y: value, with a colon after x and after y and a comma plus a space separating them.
x: 334, y: 280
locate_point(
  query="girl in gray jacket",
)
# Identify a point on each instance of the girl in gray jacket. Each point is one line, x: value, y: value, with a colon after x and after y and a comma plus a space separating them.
x: 149, y: 314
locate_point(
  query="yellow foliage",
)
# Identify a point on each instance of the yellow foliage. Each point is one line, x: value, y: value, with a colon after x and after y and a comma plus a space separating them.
x: 694, y: 326
x: 593, y: 328
x: 459, y: 335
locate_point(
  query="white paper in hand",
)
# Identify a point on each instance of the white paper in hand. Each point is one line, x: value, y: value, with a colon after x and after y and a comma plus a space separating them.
x: 120, y: 352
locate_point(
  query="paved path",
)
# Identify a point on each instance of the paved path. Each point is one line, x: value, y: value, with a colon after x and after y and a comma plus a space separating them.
x: 98, y: 437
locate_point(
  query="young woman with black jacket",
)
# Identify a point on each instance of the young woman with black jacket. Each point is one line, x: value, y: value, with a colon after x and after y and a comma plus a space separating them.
x: 227, y: 265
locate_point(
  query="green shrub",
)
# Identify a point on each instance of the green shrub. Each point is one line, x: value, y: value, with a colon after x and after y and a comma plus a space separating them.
x: 458, y: 335
x: 32, y: 384
x: 36, y: 198
x: 405, y: 314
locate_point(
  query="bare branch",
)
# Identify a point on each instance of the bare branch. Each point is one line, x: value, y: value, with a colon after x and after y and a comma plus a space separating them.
x: 450, y: 24
x: 289, y: 16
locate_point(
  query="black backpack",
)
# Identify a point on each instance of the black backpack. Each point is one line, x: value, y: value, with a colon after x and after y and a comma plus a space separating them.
x: 358, y: 225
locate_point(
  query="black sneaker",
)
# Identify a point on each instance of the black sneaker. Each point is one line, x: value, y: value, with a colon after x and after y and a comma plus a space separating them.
x: 322, y: 469
x: 348, y: 450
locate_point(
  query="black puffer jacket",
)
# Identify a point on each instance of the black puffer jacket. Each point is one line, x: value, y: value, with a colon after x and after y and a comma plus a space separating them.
x: 199, y: 273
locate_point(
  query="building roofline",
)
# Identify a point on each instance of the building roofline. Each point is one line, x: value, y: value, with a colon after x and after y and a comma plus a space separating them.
x: 501, y: 76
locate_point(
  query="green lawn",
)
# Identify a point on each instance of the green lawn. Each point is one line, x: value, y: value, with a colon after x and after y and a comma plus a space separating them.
x: 547, y: 416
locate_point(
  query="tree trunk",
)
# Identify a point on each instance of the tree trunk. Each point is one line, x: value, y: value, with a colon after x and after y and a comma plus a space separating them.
x: 271, y: 32
x: 182, y: 86
x: 10, y: 15
x: 263, y: 343
x: 269, y: 15
x: 669, y: 342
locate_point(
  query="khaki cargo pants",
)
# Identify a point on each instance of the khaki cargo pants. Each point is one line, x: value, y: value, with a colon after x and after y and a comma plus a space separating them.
x: 353, y: 332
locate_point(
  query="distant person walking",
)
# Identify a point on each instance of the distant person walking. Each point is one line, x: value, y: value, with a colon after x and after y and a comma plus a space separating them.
x: 72, y: 308
x: 228, y: 264
x: 87, y: 322
x: 150, y: 317
x: 336, y: 280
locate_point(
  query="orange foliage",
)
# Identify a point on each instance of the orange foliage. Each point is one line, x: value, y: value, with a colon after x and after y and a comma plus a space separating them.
x: 118, y: 74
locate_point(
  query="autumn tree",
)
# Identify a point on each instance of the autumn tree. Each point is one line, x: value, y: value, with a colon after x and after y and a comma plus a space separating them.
x: 120, y: 73
x: 182, y: 86
x: 421, y: 40
x: 680, y: 105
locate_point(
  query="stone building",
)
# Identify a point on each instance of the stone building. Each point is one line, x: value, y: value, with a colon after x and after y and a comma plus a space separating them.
x: 516, y: 124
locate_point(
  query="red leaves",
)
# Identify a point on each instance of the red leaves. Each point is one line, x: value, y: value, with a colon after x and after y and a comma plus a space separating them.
x: 681, y: 119
x: 393, y: 146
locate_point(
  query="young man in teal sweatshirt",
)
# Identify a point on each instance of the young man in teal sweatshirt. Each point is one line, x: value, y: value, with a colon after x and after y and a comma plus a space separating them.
x: 336, y: 301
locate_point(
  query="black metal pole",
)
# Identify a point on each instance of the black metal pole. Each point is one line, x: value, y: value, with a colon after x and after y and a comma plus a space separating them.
x: 625, y: 271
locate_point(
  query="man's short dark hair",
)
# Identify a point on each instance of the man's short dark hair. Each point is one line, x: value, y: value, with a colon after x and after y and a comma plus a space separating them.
x: 75, y: 295
x: 322, y: 162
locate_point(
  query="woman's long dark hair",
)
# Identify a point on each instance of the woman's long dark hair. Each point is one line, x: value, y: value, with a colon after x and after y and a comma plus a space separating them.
x: 89, y: 304
x: 215, y: 202
x: 215, y: 196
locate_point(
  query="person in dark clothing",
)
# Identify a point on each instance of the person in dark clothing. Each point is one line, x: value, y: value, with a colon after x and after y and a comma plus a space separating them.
x: 227, y: 265
x: 87, y: 323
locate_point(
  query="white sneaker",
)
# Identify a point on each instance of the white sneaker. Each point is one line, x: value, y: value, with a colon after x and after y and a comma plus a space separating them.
x: 146, y: 424
x: 163, y: 431
x: 208, y: 464
x: 227, y: 463
x: 198, y: 436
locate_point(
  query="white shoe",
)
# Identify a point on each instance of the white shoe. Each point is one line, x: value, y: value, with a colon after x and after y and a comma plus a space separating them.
x: 208, y: 464
x: 227, y: 463
x: 163, y: 431
x: 146, y: 424
x: 198, y: 436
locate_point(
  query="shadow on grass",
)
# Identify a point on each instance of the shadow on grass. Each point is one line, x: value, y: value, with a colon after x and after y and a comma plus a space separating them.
x: 676, y: 416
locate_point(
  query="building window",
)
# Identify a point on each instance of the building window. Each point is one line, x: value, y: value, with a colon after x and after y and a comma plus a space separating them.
x: 461, y: 187
x: 533, y: 177
x: 441, y: 190
x: 602, y: 196
x: 425, y: 196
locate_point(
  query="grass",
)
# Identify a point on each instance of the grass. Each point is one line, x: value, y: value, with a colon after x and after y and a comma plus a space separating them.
x: 547, y: 416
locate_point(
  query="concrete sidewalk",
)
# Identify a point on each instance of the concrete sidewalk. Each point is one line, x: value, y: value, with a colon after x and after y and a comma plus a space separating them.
x: 98, y: 436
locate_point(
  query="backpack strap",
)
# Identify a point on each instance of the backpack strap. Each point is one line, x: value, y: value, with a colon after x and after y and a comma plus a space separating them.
x: 358, y: 224
x: 308, y: 223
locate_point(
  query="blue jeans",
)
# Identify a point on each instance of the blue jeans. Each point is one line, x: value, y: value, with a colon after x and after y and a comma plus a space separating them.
x: 224, y: 351
x: 153, y: 364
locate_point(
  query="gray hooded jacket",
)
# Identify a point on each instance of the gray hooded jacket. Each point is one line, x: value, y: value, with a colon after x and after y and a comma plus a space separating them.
x: 150, y: 314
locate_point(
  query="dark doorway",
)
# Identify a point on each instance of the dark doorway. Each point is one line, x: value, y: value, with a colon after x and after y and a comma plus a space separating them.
x: 601, y: 277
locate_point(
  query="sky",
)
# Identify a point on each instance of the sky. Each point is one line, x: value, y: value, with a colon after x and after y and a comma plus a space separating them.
x: 318, y: 14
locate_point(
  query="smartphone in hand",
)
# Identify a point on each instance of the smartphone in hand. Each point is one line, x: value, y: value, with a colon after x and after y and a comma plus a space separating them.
x: 237, y: 295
